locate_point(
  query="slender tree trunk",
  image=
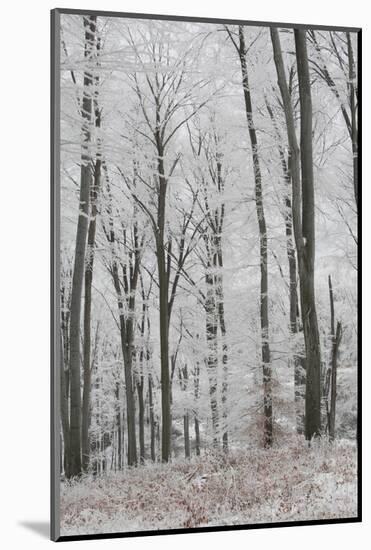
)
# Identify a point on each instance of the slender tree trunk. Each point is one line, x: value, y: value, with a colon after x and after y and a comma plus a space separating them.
x: 197, y: 396
x: 334, y: 358
x: 184, y: 386
x: 127, y: 350
x: 335, y: 343
x: 187, y: 444
x: 119, y: 427
x: 127, y: 320
x: 264, y: 317
x: 126, y: 335
x: 152, y: 419
x: 223, y: 331
x: 79, y: 262
x: 353, y: 114
x: 64, y: 412
x: 140, y: 388
x: 298, y: 360
x: 212, y: 357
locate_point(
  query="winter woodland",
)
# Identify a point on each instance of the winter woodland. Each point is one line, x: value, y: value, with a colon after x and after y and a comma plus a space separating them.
x: 208, y: 274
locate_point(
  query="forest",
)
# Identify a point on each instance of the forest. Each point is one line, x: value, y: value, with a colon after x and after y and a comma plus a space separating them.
x: 208, y: 274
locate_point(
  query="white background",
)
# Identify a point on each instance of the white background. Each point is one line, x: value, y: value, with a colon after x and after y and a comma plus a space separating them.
x: 24, y: 286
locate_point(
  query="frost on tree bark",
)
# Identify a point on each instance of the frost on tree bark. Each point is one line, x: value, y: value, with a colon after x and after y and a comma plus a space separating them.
x: 212, y: 339
x: 79, y: 262
x: 264, y: 316
x: 345, y: 57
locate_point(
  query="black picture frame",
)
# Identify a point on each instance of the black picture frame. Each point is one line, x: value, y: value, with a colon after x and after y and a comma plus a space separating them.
x: 55, y: 275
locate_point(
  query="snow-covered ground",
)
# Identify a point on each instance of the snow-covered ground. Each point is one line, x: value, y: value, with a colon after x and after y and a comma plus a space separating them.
x: 248, y: 486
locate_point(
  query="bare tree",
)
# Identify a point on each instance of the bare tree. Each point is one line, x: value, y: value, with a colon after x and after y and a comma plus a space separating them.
x: 240, y: 45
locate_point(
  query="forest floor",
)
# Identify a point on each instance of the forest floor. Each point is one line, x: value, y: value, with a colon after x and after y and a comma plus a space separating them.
x: 251, y: 486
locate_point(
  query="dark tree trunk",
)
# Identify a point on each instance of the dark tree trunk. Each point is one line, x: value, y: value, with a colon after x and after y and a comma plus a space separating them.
x: 127, y: 336
x: 140, y: 388
x: 334, y: 358
x: 79, y: 262
x: 197, y: 395
x: 332, y: 371
x: 89, y: 266
x: 187, y: 444
x: 127, y: 325
x: 64, y: 413
x: 307, y: 249
x: 183, y: 379
x: 152, y: 419
x: 264, y: 317
x: 303, y: 213
x: 119, y: 428
x: 298, y: 360
x: 353, y: 115
x: 163, y: 306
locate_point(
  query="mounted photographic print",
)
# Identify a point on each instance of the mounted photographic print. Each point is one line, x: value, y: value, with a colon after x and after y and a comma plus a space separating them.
x: 205, y: 216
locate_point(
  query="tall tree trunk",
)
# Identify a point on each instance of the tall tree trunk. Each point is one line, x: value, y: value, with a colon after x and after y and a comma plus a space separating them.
x: 126, y: 336
x: 303, y: 220
x: 353, y: 114
x: 223, y: 331
x: 89, y: 266
x: 164, y: 304
x: 264, y: 317
x: 127, y: 324
x: 334, y: 358
x: 298, y: 359
x: 307, y: 249
x: 79, y: 262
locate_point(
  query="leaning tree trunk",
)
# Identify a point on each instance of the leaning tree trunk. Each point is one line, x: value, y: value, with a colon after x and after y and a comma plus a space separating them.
x: 264, y: 317
x: 79, y: 262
